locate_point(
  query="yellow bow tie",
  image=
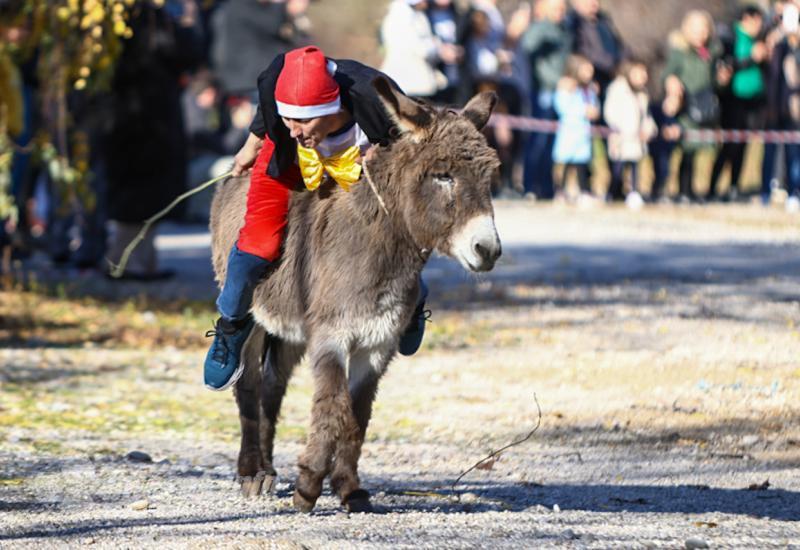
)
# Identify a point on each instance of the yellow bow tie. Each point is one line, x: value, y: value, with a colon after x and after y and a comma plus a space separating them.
x: 342, y: 167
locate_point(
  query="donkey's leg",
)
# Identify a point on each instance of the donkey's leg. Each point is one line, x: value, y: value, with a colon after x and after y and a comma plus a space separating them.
x: 365, y: 370
x: 250, y: 466
x: 331, y: 418
x: 279, y: 363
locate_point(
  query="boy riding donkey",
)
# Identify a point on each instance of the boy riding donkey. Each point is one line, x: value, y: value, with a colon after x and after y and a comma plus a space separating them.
x: 316, y: 119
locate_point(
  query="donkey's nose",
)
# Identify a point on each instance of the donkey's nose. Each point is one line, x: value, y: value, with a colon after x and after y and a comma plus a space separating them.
x: 488, y: 250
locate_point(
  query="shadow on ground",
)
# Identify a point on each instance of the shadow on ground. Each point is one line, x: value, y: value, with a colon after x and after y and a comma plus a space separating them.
x: 185, y: 249
x: 682, y: 499
x: 45, y: 530
x: 775, y: 504
x: 643, y: 266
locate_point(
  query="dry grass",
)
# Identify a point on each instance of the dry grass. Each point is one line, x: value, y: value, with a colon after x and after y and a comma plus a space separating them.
x: 37, y: 319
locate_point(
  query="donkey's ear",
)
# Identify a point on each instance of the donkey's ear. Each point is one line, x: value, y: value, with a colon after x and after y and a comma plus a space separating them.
x: 409, y: 116
x: 479, y: 109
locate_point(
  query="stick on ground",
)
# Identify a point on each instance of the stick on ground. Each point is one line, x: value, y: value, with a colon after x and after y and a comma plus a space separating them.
x: 494, y: 454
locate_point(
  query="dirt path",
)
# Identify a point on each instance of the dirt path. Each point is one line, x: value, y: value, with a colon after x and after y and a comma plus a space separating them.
x: 662, y: 346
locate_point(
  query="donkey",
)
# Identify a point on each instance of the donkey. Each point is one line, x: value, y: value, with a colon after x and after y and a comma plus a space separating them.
x: 348, y: 282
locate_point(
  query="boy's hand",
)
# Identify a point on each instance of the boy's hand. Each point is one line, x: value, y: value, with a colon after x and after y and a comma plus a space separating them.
x: 246, y: 157
x: 370, y: 153
x: 243, y: 162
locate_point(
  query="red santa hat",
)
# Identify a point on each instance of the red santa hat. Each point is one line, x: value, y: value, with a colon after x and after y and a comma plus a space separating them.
x: 305, y: 87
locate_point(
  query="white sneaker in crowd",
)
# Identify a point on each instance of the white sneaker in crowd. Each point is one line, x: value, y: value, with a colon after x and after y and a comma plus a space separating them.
x: 586, y: 200
x: 529, y: 196
x: 793, y: 204
x: 634, y: 201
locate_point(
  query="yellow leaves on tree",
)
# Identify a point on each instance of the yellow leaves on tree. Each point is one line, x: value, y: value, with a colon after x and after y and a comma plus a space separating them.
x: 76, y: 43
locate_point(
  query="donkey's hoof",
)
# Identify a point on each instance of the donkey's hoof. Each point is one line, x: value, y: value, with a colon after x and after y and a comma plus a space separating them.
x: 255, y: 486
x: 358, y: 502
x: 302, y: 503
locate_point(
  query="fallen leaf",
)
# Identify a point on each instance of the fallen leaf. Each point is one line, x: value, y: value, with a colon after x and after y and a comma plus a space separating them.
x: 709, y: 524
x: 759, y: 486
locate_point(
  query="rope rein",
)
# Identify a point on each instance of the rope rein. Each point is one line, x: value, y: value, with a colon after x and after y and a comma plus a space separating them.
x: 116, y: 271
x: 424, y: 253
x: 372, y: 186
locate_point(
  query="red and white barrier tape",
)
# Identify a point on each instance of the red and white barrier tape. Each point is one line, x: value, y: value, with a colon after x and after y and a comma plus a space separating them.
x: 527, y: 124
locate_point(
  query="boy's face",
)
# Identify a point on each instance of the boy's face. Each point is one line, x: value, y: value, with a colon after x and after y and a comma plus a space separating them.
x: 309, y: 132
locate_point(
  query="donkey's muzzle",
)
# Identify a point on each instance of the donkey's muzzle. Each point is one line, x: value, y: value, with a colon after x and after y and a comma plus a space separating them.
x: 488, y: 251
x: 476, y: 246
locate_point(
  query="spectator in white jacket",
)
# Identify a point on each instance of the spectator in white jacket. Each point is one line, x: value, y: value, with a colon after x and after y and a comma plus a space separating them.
x: 412, y: 50
x: 627, y: 115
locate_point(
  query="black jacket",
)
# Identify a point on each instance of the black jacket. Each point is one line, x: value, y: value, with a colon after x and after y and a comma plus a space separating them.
x: 358, y: 97
x: 599, y: 42
x: 146, y: 142
x: 779, y: 93
x: 248, y: 34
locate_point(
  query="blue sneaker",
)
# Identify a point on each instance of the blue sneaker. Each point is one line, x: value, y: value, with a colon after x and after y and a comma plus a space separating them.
x: 411, y: 339
x: 223, y: 366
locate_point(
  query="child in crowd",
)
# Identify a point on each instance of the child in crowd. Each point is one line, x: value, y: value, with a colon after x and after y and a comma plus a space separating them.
x: 627, y: 115
x: 577, y: 106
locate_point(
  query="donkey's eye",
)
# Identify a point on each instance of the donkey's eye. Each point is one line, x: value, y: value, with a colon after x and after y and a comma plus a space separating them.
x: 445, y: 180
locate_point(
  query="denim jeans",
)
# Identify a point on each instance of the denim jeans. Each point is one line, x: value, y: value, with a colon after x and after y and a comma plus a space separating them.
x: 245, y: 271
x: 793, y: 169
x: 792, y: 163
x: 538, y: 173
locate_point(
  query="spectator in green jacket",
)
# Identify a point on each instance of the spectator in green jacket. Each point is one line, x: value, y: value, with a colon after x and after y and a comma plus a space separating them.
x: 691, y: 78
x: 747, y: 109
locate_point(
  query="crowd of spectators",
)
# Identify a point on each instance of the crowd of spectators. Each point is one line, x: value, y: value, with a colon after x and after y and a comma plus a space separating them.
x: 185, y: 94
x: 566, y: 62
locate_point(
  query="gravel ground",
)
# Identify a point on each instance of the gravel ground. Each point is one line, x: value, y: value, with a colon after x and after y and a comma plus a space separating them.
x: 662, y: 347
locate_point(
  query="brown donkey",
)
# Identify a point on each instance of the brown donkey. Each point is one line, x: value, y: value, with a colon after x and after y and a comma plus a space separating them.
x: 348, y: 282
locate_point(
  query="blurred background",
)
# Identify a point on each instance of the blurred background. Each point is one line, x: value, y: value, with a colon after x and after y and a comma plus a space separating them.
x: 110, y: 109
x: 648, y: 292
